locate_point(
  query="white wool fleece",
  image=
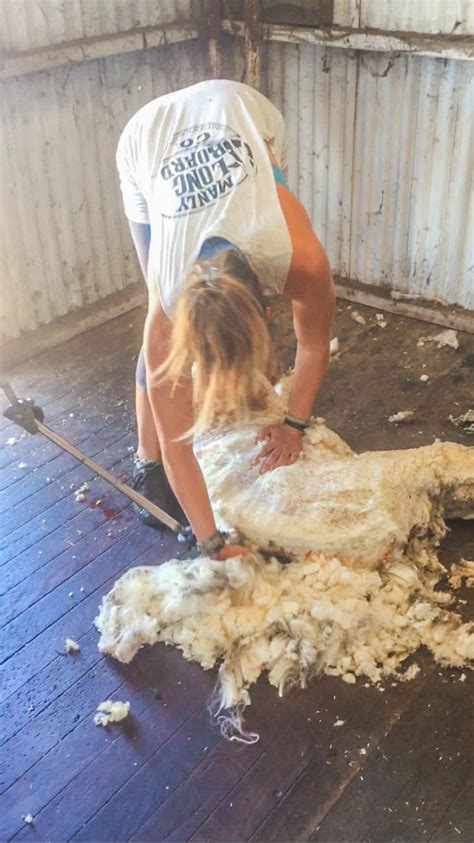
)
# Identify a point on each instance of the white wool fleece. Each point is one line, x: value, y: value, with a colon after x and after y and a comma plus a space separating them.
x: 357, y: 600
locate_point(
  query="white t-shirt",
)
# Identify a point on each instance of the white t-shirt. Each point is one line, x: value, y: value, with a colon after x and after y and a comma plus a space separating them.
x: 193, y: 164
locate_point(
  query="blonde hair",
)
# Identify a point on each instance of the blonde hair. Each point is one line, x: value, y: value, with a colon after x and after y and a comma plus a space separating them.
x: 220, y: 326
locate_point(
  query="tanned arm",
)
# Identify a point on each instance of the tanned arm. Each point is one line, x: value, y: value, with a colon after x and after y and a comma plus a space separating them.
x: 311, y: 290
x: 173, y: 414
x: 313, y: 309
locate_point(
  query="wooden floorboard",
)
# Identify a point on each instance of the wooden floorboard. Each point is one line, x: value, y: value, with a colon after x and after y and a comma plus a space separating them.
x: 396, y: 770
x: 65, y: 539
x: 38, y: 451
x: 70, y: 402
x: 104, y: 763
x: 221, y: 768
x: 457, y: 819
x: 57, y: 571
x: 315, y: 751
x: 53, y: 469
x: 409, y: 784
x: 58, y: 510
x: 49, y: 677
x: 41, y: 500
x: 74, y: 621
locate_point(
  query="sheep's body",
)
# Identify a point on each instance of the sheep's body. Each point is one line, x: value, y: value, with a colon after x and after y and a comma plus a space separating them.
x: 357, y: 599
x: 361, y: 508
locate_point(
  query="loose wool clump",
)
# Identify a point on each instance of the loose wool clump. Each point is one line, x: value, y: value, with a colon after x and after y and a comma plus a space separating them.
x: 111, y: 712
x: 359, y: 595
x: 71, y: 646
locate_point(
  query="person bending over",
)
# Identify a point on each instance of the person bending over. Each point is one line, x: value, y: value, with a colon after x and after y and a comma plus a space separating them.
x: 203, y: 178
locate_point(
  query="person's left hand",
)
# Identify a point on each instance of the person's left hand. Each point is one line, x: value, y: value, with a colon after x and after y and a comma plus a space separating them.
x: 283, y: 447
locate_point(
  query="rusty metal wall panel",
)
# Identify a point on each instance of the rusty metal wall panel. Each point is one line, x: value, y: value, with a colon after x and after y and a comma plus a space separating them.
x: 29, y: 24
x: 299, y: 12
x: 411, y: 177
x: 429, y: 16
x: 65, y: 238
x: 380, y: 155
x: 346, y: 13
x: 315, y: 89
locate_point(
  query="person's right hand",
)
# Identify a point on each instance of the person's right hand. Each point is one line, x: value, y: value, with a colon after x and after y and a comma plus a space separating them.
x: 232, y: 550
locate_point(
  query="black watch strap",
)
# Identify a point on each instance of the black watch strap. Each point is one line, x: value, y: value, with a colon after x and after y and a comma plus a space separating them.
x: 297, y: 424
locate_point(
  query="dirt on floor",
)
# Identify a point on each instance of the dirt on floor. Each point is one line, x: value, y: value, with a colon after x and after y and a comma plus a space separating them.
x: 377, y: 374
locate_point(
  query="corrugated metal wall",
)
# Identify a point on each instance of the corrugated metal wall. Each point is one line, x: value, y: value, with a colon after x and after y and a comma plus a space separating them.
x: 379, y: 151
x: 65, y: 240
x: 433, y: 16
x: 448, y: 16
x: 29, y: 24
x: 381, y: 156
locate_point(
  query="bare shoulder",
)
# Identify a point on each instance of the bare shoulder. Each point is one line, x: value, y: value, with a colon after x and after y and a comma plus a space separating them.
x: 309, y: 268
x: 310, y: 274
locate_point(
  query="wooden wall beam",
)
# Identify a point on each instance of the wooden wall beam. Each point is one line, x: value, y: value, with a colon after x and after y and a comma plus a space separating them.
x: 369, y: 40
x: 87, y: 49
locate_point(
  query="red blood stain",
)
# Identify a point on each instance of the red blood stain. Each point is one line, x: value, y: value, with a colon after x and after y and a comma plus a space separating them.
x: 106, y: 511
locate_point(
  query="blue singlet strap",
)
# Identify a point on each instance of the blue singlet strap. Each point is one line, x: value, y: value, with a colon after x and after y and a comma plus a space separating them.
x: 279, y: 177
x: 212, y: 246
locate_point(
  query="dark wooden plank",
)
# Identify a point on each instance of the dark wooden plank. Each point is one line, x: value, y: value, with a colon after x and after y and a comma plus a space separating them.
x: 172, y: 765
x: 75, y: 621
x: 310, y: 749
x: 458, y: 821
x: 81, y: 360
x: 35, y: 454
x: 56, y: 514
x: 70, y: 711
x: 13, y: 574
x: 19, y: 490
x: 121, y: 815
x: 212, y: 779
x: 44, y: 686
x: 212, y: 782
x: 41, y: 582
x: 59, y: 718
x: 63, y: 487
x: 58, y: 767
x: 78, y: 587
x: 10, y: 453
x: 39, y: 452
x: 75, y: 705
x: 406, y: 786
x: 67, y: 536
x: 87, y: 406
x: 44, y: 523
x: 65, y: 800
x: 16, y: 488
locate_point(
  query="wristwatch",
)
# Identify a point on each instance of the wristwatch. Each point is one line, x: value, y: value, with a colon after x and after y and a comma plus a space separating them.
x: 297, y: 424
x: 212, y: 545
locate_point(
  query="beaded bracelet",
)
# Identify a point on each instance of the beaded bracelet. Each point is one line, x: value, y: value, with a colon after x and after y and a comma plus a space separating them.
x: 212, y: 545
x: 296, y: 423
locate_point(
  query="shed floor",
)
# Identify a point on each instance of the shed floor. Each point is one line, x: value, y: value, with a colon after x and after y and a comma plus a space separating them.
x: 399, y: 769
